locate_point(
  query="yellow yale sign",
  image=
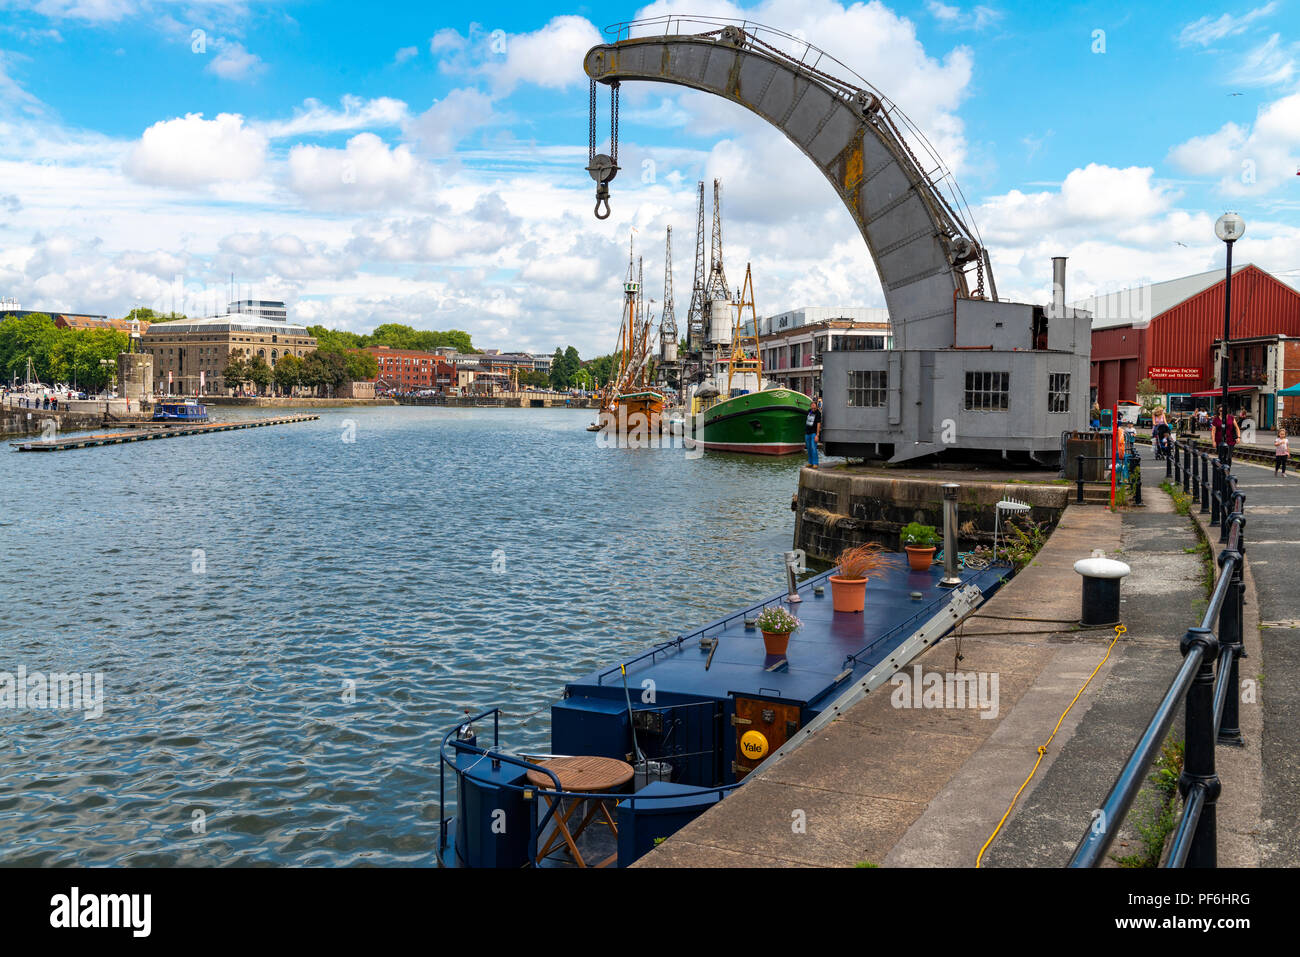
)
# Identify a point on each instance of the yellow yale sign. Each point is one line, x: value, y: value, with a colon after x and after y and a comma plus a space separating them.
x: 753, y: 744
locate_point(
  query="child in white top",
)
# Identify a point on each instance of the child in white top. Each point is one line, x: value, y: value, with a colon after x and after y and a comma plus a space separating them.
x: 1281, y: 452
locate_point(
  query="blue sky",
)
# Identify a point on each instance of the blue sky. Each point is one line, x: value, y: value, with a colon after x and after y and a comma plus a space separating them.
x: 386, y: 162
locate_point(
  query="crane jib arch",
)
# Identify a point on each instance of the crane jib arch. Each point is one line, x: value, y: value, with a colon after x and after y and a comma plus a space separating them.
x: 920, y: 251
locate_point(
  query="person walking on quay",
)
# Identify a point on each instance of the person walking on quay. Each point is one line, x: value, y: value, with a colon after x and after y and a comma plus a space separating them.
x: 1281, y: 452
x: 812, y: 431
x: 1226, y: 433
x: 1160, y: 429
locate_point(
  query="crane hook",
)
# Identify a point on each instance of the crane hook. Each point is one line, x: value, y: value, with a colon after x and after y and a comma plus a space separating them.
x: 602, y: 169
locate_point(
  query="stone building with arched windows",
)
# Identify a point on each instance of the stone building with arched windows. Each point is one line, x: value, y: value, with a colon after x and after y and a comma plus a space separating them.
x: 189, y: 355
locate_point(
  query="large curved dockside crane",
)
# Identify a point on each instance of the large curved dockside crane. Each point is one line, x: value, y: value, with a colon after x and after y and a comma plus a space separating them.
x: 966, y: 371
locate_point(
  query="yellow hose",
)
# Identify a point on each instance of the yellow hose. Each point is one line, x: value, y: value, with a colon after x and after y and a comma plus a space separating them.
x: 1042, y: 749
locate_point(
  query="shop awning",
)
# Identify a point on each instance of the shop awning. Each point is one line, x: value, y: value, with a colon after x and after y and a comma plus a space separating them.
x: 1211, y: 393
x: 1290, y: 390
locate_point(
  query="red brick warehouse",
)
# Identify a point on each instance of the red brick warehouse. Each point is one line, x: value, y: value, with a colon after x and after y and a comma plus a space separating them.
x: 406, y: 370
x: 1170, y: 332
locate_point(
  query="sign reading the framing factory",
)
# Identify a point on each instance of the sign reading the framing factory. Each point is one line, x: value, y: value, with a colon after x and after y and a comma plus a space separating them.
x: 1163, y: 372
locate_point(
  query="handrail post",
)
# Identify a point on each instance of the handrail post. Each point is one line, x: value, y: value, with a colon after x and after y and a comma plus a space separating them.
x: 1169, y: 462
x: 1078, y: 476
x: 1217, y: 493
x: 1196, y: 476
x: 1178, y: 462
x: 1198, y: 759
x: 1230, y: 636
x: 1225, y: 507
x: 1136, y: 473
x: 1187, y: 467
x: 1205, y: 482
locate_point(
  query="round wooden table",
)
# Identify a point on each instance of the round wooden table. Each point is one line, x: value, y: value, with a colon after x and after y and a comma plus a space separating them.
x: 587, y: 775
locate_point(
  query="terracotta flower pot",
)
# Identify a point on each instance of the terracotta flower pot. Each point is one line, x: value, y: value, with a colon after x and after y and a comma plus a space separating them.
x: 848, y: 594
x: 919, y: 558
x: 776, y: 641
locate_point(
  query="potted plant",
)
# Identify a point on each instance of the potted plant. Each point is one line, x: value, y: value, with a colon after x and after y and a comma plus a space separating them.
x: 857, y: 565
x: 919, y: 541
x: 776, y: 624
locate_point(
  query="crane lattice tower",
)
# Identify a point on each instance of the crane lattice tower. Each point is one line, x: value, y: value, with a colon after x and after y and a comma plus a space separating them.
x: 695, y: 315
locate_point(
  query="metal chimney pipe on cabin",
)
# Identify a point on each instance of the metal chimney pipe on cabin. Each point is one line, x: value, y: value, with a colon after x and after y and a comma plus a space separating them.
x: 1058, y: 285
x: 950, y: 577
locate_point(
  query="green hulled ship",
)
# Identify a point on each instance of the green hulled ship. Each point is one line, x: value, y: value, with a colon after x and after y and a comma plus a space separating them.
x: 767, y: 422
x: 738, y: 411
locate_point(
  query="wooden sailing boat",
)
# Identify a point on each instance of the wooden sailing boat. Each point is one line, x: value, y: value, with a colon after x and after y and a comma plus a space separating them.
x: 628, y: 400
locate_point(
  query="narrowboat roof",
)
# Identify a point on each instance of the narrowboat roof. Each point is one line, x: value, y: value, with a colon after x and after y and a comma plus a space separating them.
x: 823, y: 654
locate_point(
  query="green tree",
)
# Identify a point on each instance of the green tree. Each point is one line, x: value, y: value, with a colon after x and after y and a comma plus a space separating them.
x: 558, y: 378
x: 235, y: 373
x: 288, y: 373
x: 360, y: 366
x: 259, y: 373
x: 23, y: 336
x: 572, y: 363
x: 145, y: 314
x: 333, y: 341
x: 603, y: 367
x: 86, y: 357
x: 323, y: 370
x: 1148, y: 393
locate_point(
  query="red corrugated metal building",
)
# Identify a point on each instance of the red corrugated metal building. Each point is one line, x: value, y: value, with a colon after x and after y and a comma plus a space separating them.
x: 1180, y: 339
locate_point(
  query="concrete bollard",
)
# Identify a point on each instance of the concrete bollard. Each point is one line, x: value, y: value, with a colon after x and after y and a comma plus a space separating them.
x: 1101, y: 580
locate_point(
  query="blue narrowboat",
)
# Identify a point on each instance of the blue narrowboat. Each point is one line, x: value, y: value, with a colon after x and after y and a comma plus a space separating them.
x: 687, y: 720
x: 187, y: 411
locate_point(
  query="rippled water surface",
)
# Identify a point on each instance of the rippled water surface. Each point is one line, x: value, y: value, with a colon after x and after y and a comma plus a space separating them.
x: 231, y: 587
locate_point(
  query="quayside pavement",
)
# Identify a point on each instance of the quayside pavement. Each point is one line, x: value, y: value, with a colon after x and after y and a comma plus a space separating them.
x: 898, y: 786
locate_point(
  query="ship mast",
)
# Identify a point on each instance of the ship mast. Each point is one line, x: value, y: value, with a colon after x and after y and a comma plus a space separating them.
x: 741, y: 360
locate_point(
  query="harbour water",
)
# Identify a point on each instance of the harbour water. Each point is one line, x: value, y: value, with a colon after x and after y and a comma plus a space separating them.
x: 287, y: 619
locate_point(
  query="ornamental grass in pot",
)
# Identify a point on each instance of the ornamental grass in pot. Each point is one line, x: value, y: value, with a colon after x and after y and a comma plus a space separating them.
x: 857, y: 566
x: 776, y: 624
x: 920, y: 542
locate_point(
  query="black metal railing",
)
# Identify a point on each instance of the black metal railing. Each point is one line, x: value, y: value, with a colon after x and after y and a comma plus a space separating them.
x: 1133, y: 467
x: 1207, y: 683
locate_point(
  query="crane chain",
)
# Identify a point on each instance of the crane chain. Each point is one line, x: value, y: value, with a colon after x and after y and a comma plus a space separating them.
x: 613, y: 122
x: 591, y: 138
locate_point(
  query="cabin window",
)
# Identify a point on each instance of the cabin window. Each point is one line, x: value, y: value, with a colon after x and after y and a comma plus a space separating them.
x: 1058, y: 392
x: 867, y: 389
x: 987, y: 391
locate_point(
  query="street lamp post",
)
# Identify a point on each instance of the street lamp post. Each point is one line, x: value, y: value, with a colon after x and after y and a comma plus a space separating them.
x: 1229, y: 227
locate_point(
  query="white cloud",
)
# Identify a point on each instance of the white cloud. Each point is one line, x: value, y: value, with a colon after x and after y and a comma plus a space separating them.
x: 977, y: 18
x: 487, y: 227
x: 1269, y: 64
x: 92, y: 10
x: 192, y: 151
x: 405, y: 53
x: 548, y: 57
x: 357, y: 113
x: 1250, y: 160
x: 366, y: 174
x: 233, y: 62
x: 439, y: 128
x: 1208, y: 29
